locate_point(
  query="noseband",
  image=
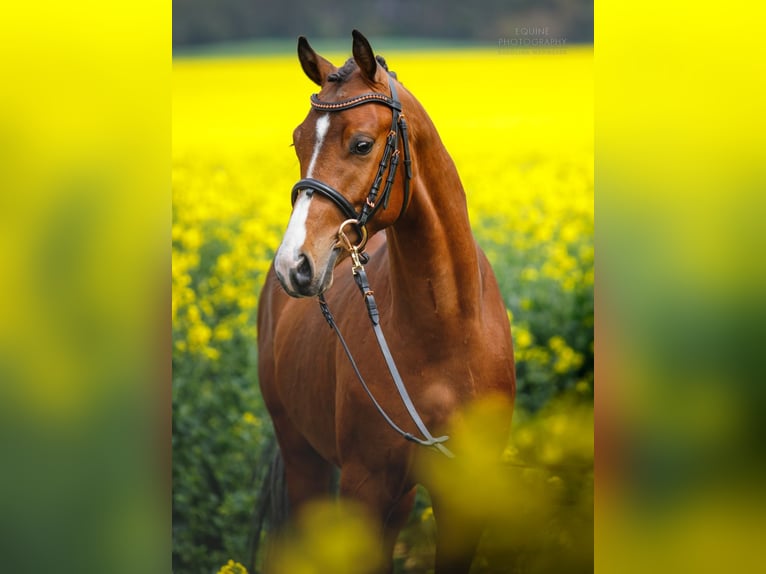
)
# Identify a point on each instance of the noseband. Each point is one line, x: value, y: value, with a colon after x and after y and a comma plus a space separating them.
x: 390, y: 159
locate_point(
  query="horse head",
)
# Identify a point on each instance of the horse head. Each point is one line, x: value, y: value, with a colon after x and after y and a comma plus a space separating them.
x: 349, y: 147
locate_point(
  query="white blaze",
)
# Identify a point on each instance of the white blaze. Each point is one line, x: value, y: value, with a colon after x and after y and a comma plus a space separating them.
x: 323, y: 123
x: 292, y: 242
x: 295, y: 236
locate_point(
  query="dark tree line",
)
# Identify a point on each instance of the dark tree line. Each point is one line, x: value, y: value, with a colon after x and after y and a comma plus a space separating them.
x: 209, y: 21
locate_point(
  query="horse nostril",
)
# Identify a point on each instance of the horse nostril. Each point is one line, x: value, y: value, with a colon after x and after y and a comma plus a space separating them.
x: 302, y: 273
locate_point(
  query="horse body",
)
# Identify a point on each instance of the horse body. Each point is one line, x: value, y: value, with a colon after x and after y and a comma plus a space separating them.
x: 440, y: 308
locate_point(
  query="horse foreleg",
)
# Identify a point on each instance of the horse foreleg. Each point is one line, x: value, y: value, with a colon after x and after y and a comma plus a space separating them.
x: 308, y: 476
x: 395, y: 521
x: 390, y: 511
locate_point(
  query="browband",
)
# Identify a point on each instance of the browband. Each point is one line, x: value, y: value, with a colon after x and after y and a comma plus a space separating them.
x: 318, y: 104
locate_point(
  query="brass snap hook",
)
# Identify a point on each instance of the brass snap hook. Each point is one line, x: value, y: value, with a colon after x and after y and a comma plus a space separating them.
x: 345, y: 242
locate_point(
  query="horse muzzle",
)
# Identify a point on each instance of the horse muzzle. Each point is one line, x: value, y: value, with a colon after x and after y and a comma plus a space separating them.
x: 301, y: 276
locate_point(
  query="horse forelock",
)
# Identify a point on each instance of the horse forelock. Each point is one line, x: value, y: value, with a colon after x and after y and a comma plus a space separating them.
x: 345, y: 71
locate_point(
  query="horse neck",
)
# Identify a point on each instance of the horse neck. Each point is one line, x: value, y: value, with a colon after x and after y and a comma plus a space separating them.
x: 433, y: 256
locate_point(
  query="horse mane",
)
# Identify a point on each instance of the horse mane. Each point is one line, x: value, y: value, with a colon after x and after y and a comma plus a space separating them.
x: 346, y: 70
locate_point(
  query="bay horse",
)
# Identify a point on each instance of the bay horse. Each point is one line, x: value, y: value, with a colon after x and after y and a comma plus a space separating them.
x: 436, y: 295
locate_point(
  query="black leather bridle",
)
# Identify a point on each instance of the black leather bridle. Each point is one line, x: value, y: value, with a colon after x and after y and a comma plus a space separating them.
x: 390, y: 159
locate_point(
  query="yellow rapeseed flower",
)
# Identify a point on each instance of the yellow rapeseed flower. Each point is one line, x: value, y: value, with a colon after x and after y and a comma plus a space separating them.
x: 522, y: 337
x: 198, y: 336
x: 223, y: 332
x: 212, y: 353
x: 232, y: 567
x: 529, y: 274
x: 567, y: 359
x: 191, y: 239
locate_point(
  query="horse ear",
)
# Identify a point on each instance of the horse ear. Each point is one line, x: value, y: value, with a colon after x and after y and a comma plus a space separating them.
x: 315, y: 66
x: 364, y: 57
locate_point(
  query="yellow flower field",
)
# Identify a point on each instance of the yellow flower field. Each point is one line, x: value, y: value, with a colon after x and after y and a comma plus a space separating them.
x: 520, y: 129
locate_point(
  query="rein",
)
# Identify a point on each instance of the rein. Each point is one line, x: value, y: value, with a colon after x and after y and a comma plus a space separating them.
x: 360, y: 277
x: 390, y: 161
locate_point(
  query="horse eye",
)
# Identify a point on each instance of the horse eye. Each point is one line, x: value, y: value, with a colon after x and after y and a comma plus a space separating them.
x: 362, y: 147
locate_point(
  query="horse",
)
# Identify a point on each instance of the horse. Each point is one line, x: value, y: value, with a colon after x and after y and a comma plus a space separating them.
x: 436, y: 297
